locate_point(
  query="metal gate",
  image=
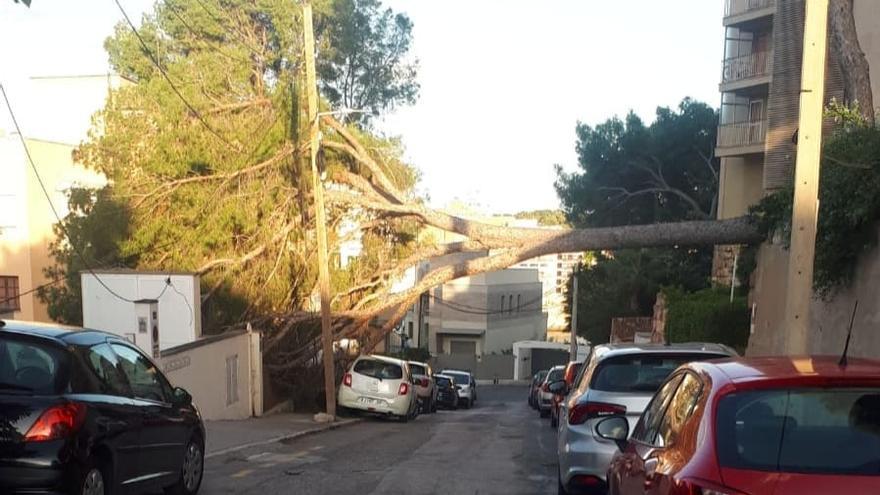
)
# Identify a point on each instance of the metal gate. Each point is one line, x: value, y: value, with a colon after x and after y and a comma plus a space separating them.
x: 543, y: 359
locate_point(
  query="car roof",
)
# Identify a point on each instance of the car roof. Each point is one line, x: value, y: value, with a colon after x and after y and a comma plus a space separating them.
x: 457, y: 372
x: 606, y: 351
x: 65, y: 334
x: 560, y: 367
x: 761, y: 369
x: 441, y: 375
x: 418, y: 363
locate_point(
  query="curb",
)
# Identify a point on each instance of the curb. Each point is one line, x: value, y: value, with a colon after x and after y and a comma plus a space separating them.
x: 291, y: 436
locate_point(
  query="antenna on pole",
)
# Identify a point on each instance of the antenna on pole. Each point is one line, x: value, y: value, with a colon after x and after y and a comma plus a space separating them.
x: 849, y: 334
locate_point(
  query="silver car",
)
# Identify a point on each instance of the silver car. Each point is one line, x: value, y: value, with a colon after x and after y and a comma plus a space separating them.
x: 423, y: 377
x: 465, y: 385
x: 618, y: 379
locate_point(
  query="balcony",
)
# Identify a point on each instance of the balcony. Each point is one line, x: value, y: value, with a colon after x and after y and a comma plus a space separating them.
x: 739, y: 11
x: 742, y: 138
x: 746, y: 70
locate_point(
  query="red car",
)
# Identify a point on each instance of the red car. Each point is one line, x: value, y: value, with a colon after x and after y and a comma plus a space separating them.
x: 754, y: 426
x: 571, y: 372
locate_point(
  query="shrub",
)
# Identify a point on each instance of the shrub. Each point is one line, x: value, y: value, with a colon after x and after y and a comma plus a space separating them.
x: 707, y: 316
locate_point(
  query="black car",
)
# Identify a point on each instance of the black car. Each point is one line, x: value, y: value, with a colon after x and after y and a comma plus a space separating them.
x: 87, y: 413
x: 446, y: 394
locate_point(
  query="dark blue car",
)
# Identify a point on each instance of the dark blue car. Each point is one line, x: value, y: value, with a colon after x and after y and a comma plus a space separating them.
x: 85, y: 412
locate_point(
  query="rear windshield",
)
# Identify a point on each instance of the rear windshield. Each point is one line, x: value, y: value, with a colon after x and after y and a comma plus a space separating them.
x: 378, y: 369
x: 640, y: 372
x: 443, y: 382
x: 827, y: 431
x: 460, y: 379
x: 539, y: 376
x: 31, y: 367
x: 417, y: 369
x: 555, y: 375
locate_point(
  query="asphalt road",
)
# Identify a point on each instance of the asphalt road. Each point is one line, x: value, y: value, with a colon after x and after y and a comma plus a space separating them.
x: 498, y: 447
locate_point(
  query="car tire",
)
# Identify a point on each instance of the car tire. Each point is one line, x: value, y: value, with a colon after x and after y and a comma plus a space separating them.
x: 433, y: 406
x: 192, y: 471
x: 544, y: 413
x: 93, y: 479
x: 553, y: 421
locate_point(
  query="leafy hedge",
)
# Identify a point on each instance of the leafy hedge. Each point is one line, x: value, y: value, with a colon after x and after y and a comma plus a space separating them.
x: 707, y: 316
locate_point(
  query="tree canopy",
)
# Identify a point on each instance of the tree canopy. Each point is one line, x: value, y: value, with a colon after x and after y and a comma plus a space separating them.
x: 544, y: 217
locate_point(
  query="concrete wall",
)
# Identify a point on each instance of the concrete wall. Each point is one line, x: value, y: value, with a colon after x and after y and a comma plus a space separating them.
x: 204, y: 369
x: 179, y: 310
x: 483, y: 368
x: 741, y: 185
x: 867, y: 15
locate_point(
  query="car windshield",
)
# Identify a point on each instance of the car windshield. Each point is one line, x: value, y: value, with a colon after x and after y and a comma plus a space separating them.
x: 418, y: 369
x: 32, y: 367
x: 816, y: 431
x: 555, y: 375
x: 460, y: 378
x: 640, y: 372
x: 539, y: 376
x: 379, y: 369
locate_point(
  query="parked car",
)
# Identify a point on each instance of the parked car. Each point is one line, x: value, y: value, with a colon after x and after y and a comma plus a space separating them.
x: 426, y: 391
x: 757, y: 425
x: 379, y: 385
x: 545, y: 396
x: 447, y: 396
x: 619, y: 379
x: 572, y: 370
x: 535, y: 387
x: 466, y: 386
x: 85, y: 412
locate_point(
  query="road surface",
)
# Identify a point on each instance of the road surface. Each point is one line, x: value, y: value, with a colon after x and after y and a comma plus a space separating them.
x: 498, y: 447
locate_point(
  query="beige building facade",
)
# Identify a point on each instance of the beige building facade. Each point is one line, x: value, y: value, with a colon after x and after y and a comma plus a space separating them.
x: 760, y: 87
x: 53, y: 125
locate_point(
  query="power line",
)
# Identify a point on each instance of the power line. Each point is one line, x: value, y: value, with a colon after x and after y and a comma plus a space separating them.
x: 49, y: 198
x: 156, y: 63
x: 467, y: 309
x: 31, y: 291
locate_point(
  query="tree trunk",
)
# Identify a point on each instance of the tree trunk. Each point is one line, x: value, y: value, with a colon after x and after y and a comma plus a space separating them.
x: 853, y: 63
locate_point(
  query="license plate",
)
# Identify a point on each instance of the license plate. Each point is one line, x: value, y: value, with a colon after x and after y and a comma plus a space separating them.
x: 370, y: 401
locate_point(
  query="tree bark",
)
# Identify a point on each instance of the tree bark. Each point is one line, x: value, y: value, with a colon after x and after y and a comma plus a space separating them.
x: 853, y: 63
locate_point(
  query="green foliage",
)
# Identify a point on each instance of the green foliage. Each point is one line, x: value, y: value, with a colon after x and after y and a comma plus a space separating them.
x: 363, y: 62
x: 849, y: 206
x: 190, y: 198
x: 626, y: 284
x: 637, y: 174
x: 98, y: 225
x: 544, y: 217
x: 707, y: 316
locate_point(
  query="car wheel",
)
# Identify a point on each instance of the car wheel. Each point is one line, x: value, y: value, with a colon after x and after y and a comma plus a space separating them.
x: 433, y: 406
x: 553, y: 421
x: 544, y: 413
x: 93, y: 481
x: 191, y: 471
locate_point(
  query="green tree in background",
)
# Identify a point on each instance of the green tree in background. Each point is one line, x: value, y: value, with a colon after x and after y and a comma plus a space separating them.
x: 205, y: 171
x: 631, y: 174
x: 544, y: 217
x: 363, y: 59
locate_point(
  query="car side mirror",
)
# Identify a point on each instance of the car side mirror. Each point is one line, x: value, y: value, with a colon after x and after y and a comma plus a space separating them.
x: 182, y: 397
x: 616, y: 429
x: 557, y: 388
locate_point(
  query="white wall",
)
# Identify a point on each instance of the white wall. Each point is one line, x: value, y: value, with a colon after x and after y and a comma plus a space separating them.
x: 179, y: 310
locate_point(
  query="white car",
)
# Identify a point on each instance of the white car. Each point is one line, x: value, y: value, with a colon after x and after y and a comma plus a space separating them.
x: 423, y: 378
x: 379, y: 385
x: 465, y: 385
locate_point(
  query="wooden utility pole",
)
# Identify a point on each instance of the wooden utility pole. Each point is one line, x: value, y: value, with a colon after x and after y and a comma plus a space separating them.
x: 320, y: 214
x: 573, y: 345
x: 805, y: 210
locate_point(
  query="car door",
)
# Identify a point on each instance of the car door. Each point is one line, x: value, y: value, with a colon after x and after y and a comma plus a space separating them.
x: 164, y: 431
x: 98, y: 380
x: 638, y: 460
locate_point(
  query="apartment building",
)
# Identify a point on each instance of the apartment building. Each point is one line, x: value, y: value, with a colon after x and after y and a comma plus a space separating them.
x: 554, y: 272
x: 757, y: 133
x: 55, y: 119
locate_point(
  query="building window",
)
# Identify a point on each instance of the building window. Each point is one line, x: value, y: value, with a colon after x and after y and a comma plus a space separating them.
x: 510, y: 305
x: 9, y: 295
x: 410, y: 329
x: 502, y: 303
x: 518, y: 302
x: 231, y: 379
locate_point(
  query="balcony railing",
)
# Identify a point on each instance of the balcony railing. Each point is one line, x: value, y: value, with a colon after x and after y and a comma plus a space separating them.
x: 737, y: 7
x: 741, y: 134
x: 756, y: 64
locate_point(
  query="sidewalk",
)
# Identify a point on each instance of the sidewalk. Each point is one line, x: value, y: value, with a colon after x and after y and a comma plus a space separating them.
x: 229, y: 436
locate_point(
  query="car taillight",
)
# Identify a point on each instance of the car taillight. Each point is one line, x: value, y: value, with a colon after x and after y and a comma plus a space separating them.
x: 586, y: 481
x: 346, y: 380
x: 583, y: 411
x: 404, y: 389
x: 57, y: 422
x: 545, y: 387
x: 701, y: 487
x: 423, y: 382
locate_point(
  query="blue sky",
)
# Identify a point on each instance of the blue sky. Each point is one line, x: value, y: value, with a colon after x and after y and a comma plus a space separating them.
x: 504, y: 82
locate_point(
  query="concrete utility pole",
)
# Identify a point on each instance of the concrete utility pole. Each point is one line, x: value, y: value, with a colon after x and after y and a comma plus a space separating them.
x: 573, y: 346
x: 320, y: 214
x: 806, y: 180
